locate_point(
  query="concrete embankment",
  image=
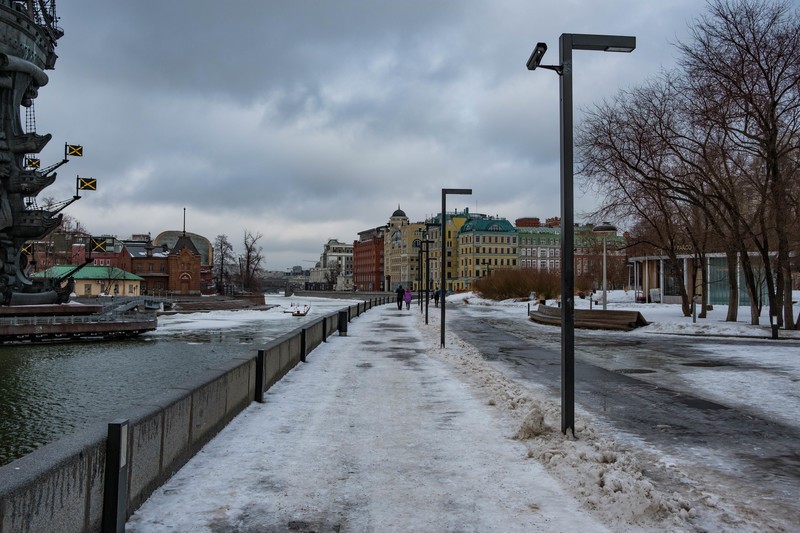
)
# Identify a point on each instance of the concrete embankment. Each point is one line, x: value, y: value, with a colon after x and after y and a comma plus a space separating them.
x: 65, y: 486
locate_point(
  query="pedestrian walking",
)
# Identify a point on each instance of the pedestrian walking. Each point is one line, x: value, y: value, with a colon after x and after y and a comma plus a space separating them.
x: 436, y: 297
x: 400, y: 295
x: 407, y: 298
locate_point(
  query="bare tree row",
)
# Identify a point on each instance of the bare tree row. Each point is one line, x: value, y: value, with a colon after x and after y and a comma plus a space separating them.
x: 242, y: 272
x: 705, y: 157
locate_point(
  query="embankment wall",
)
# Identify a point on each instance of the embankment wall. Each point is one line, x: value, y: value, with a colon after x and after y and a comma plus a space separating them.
x: 62, y: 486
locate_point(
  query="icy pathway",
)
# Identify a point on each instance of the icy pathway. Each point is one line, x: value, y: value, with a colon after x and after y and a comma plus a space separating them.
x: 370, y: 435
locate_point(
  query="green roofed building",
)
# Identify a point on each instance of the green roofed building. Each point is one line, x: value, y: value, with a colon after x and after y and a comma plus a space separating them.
x: 95, y: 280
x: 485, y: 245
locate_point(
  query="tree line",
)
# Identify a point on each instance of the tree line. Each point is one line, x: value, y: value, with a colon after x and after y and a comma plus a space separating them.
x: 704, y: 158
x: 238, y: 273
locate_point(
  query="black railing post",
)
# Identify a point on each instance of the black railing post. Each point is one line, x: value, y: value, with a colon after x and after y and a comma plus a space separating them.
x: 115, y: 494
x: 303, y: 344
x: 260, y: 360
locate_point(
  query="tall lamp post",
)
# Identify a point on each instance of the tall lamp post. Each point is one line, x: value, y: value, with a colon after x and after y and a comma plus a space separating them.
x: 443, y: 259
x: 605, y: 229
x: 567, y: 43
x: 418, y: 246
x: 427, y: 243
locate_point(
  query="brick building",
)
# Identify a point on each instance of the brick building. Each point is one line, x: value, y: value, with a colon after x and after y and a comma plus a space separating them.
x: 368, y: 260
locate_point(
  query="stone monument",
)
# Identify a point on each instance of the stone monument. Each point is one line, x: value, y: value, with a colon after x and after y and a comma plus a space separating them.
x: 28, y: 36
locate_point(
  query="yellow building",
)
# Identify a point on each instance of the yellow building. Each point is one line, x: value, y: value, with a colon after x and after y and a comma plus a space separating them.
x: 400, y: 256
x: 95, y: 280
x: 453, y: 223
x: 485, y: 245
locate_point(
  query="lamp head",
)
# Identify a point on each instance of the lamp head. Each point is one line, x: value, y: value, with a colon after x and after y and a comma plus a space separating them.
x: 605, y: 227
x: 536, y: 56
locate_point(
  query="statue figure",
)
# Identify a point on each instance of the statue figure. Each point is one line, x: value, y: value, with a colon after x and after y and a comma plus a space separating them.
x: 28, y: 35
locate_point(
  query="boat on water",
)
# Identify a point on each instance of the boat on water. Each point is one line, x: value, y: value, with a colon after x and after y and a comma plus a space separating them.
x: 298, y: 310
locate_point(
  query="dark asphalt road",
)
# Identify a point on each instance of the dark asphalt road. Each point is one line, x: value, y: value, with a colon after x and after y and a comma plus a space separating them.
x: 730, y: 442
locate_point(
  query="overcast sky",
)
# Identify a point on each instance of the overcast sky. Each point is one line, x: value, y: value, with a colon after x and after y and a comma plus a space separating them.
x: 305, y: 121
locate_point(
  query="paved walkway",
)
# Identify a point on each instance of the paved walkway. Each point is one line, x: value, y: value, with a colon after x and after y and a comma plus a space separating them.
x: 371, y: 434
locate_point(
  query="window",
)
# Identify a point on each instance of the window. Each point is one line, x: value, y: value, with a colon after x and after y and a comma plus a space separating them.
x: 87, y: 288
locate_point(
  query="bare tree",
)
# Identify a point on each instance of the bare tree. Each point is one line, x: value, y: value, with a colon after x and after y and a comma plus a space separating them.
x: 250, y: 261
x: 718, y: 137
x: 223, y: 250
x: 742, y: 68
x: 332, y: 273
x: 631, y: 166
x: 111, y: 280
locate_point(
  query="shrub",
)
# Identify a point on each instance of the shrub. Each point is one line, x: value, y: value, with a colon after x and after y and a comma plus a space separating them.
x: 506, y: 284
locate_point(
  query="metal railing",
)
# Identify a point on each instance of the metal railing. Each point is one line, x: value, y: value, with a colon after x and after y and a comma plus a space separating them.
x: 77, y: 319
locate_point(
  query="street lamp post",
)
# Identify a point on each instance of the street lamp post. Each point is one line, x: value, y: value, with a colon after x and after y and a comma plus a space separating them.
x: 418, y: 246
x: 443, y: 259
x: 427, y: 244
x: 604, y: 229
x: 567, y: 43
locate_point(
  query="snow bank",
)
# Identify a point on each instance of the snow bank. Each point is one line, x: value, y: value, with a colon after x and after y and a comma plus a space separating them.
x: 610, y: 479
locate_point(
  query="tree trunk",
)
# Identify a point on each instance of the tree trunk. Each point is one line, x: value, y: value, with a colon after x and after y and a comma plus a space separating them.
x: 704, y: 282
x: 677, y: 274
x: 788, y: 309
x: 750, y: 283
x: 733, y: 286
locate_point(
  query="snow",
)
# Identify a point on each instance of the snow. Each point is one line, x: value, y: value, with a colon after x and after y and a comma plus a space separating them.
x: 384, y: 430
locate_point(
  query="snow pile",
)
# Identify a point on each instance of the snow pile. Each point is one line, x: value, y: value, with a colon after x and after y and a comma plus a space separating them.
x: 608, y: 479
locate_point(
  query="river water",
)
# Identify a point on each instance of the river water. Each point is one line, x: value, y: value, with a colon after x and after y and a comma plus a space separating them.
x: 48, y: 391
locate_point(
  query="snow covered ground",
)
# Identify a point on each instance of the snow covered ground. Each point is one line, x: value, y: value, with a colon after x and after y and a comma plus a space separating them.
x: 383, y: 430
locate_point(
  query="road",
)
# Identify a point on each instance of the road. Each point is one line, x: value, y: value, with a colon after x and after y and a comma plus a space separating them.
x: 634, y: 386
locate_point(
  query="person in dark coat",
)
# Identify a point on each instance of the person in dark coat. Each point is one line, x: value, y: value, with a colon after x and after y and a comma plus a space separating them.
x: 436, y: 297
x: 400, y: 294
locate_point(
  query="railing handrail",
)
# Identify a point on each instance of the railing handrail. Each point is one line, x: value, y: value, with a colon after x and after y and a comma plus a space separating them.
x: 76, y: 319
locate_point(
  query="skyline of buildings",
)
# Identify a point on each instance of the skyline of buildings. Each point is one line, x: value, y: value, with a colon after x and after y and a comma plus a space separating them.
x: 406, y: 253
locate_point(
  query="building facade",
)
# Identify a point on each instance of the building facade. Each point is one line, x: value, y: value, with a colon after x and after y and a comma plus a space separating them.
x: 453, y: 223
x: 203, y: 247
x: 334, y: 271
x: 485, y: 244
x: 94, y: 280
x: 539, y: 248
x: 184, y: 267
x: 150, y: 263
x: 401, y: 257
x: 368, y: 263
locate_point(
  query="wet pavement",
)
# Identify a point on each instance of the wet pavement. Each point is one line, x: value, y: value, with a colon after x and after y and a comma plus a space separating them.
x: 638, y: 403
x: 371, y: 434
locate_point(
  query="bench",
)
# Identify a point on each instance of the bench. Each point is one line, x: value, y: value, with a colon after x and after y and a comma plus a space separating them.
x: 591, y: 318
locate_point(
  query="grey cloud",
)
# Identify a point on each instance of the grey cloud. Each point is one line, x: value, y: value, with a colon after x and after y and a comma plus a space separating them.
x: 337, y: 111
